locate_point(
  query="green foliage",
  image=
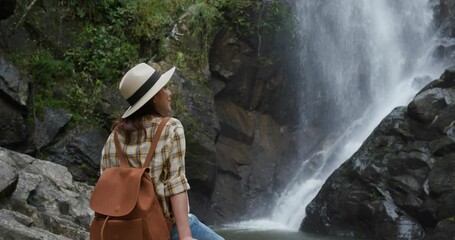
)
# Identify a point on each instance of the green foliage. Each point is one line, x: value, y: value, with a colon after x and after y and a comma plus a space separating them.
x: 204, y: 20
x: 48, y: 74
x: 83, y: 95
x: 275, y: 18
x: 115, y: 34
x: 105, y: 53
x: 249, y: 17
x: 236, y: 13
x: 93, y: 11
x: 43, y: 67
x: 180, y: 60
x: 150, y: 19
x: 56, y: 85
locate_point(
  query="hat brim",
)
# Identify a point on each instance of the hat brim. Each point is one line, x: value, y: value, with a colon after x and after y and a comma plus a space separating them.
x: 152, y: 92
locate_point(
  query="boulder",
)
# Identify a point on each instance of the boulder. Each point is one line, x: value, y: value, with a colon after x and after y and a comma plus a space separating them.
x: 80, y: 151
x: 400, y: 183
x: 14, y: 94
x: 426, y: 105
x: 47, y: 128
x: 444, y: 119
x: 8, y: 180
x: 46, y: 203
x: 13, y: 125
x: 14, y: 225
x: 444, y: 230
x: 13, y: 84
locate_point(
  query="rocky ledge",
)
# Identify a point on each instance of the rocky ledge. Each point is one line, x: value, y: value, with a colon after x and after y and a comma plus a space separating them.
x: 400, y: 184
x: 40, y: 200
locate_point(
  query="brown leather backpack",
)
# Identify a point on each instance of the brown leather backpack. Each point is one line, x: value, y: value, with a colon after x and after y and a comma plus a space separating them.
x: 125, y: 203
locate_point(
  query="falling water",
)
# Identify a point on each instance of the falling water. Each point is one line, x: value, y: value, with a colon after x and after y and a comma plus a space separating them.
x: 364, y: 55
x: 358, y: 59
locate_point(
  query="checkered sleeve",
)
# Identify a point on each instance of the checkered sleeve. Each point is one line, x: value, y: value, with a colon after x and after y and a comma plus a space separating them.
x: 177, y: 181
x: 104, y: 158
x: 105, y: 154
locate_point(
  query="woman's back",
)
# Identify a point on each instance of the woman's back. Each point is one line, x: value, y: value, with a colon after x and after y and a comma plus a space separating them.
x: 167, y: 167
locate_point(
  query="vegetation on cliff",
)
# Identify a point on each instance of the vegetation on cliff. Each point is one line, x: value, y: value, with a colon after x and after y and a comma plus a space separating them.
x: 97, y: 41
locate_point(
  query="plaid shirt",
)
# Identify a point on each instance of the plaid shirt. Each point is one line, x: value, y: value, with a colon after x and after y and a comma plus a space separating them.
x: 167, y: 164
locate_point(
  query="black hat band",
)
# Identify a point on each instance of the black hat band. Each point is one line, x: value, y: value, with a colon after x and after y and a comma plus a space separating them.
x: 144, y: 88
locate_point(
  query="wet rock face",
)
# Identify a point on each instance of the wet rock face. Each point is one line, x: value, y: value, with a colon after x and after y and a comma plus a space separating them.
x: 80, y: 151
x: 13, y: 84
x: 40, y: 200
x: 255, y: 147
x: 14, y: 94
x: 47, y: 128
x: 13, y: 125
x: 400, y: 184
x: 254, y: 80
x: 444, y: 20
x: 253, y: 155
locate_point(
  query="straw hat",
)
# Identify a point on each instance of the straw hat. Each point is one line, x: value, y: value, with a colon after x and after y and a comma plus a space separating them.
x: 140, y: 84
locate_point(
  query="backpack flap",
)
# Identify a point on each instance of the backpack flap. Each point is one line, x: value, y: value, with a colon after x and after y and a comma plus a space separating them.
x: 116, y: 192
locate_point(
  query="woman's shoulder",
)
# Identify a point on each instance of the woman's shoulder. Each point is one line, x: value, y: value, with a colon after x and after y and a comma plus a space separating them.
x: 174, y: 127
x: 153, y: 122
x: 174, y: 122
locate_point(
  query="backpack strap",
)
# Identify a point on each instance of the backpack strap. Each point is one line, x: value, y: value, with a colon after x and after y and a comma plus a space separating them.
x: 156, y: 137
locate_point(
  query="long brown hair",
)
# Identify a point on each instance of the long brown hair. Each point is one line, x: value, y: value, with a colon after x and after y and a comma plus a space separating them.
x: 134, y: 122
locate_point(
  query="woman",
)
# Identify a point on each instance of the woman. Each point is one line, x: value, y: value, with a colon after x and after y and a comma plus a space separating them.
x: 150, y: 100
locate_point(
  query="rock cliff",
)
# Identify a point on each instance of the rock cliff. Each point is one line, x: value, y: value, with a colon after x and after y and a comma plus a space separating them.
x: 40, y: 200
x: 400, y: 183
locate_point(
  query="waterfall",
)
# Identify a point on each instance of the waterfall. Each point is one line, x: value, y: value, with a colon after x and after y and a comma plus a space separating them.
x: 358, y: 61
x: 362, y: 57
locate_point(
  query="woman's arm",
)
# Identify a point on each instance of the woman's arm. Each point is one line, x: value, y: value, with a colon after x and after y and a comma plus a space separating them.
x: 180, y: 209
x: 176, y: 185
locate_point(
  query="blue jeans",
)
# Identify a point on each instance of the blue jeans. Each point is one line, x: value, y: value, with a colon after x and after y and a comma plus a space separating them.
x: 198, y: 230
